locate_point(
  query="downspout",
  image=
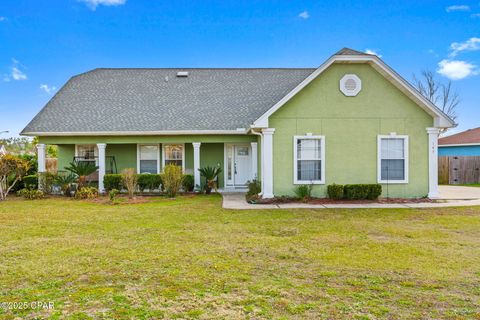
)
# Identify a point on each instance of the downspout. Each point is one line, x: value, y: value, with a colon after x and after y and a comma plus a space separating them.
x: 261, y: 156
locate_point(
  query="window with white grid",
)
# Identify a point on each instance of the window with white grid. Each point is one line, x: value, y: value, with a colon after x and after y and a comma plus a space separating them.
x: 309, y: 159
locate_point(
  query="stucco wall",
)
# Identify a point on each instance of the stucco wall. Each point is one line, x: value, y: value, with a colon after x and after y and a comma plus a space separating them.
x: 350, y: 126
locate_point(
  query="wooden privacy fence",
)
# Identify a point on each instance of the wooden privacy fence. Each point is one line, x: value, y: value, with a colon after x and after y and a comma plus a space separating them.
x: 458, y: 170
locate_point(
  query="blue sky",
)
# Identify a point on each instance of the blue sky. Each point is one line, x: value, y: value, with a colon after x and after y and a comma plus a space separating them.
x: 44, y: 43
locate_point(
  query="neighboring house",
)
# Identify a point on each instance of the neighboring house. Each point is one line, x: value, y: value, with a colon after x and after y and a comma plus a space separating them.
x: 466, y: 143
x: 351, y: 120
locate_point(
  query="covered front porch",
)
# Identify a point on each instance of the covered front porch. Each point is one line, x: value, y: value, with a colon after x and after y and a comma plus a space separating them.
x: 237, y: 155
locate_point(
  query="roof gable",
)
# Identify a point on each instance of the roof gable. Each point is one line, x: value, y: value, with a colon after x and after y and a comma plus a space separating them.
x: 351, y: 56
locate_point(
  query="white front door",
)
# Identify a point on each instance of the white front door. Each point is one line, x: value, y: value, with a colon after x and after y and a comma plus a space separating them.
x: 238, y: 166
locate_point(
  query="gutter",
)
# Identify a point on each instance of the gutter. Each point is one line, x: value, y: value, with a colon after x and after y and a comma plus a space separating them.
x: 239, y: 131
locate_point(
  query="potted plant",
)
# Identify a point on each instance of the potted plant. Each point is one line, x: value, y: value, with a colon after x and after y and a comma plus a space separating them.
x: 211, y: 175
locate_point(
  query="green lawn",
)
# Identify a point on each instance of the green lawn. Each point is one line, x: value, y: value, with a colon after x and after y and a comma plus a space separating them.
x: 188, y: 258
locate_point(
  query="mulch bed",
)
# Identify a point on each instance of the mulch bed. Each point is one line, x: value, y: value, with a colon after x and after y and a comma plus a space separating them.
x: 331, y: 201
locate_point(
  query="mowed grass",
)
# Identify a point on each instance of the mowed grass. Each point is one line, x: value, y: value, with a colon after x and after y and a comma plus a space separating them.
x: 189, y: 258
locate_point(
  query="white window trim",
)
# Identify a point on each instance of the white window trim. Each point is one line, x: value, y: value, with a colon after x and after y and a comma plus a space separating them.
x: 95, y: 151
x: 379, y: 158
x: 322, y: 158
x: 183, y: 154
x: 158, y: 155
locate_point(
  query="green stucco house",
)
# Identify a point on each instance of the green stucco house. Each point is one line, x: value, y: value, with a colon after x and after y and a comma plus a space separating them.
x: 351, y: 120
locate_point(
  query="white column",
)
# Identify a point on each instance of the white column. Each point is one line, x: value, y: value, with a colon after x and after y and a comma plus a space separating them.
x: 41, y: 163
x: 254, y: 161
x: 41, y: 157
x: 101, y: 166
x: 268, y: 162
x: 433, y: 162
x: 196, y: 164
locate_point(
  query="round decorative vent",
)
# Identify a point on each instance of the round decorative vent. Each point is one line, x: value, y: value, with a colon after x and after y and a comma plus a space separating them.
x: 350, y: 85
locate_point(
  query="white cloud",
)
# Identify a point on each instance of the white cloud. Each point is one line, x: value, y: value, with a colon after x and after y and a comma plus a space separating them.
x: 15, y: 72
x: 304, y: 15
x: 456, y: 69
x: 2, y: 19
x: 18, y: 74
x: 461, y: 7
x: 48, y: 89
x: 374, y: 52
x: 471, y: 44
x: 93, y: 4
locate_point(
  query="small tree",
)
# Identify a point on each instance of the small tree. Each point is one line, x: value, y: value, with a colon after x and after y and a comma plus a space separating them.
x: 13, y: 169
x: 129, y: 179
x: 172, y: 178
x: 440, y: 94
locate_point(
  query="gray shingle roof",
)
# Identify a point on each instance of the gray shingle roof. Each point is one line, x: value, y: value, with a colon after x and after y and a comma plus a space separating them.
x: 351, y: 52
x: 112, y: 100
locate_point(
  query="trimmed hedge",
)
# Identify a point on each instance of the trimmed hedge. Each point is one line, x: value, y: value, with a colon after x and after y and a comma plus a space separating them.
x: 149, y: 181
x: 362, y: 191
x: 112, y: 181
x: 335, y: 191
x: 145, y: 182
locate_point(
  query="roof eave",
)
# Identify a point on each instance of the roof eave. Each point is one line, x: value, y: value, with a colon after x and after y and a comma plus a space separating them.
x: 240, y: 131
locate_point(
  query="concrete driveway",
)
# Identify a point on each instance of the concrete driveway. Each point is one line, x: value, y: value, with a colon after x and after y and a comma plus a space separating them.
x: 459, y: 193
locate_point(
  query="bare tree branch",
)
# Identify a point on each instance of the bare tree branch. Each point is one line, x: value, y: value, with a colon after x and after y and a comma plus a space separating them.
x: 438, y: 93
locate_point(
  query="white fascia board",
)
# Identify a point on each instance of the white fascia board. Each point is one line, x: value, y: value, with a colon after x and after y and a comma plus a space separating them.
x: 440, y: 119
x: 459, y: 145
x: 137, y: 133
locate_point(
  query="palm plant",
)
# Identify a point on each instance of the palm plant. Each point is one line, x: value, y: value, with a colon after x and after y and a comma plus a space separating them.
x: 81, y: 170
x: 65, y: 182
x: 211, y: 175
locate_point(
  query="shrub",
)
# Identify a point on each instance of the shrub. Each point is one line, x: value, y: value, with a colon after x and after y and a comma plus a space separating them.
x: 129, y: 181
x: 82, y: 169
x: 112, y: 181
x: 362, y: 191
x: 46, y: 181
x: 65, y: 182
x: 172, y: 179
x: 30, y: 182
x: 31, y: 194
x: 303, y: 192
x: 86, y: 193
x: 149, y: 181
x: 32, y: 161
x: 188, y: 183
x: 254, y: 187
x: 375, y: 191
x: 335, y: 191
x: 112, y: 194
x: 12, y: 169
x: 211, y: 176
